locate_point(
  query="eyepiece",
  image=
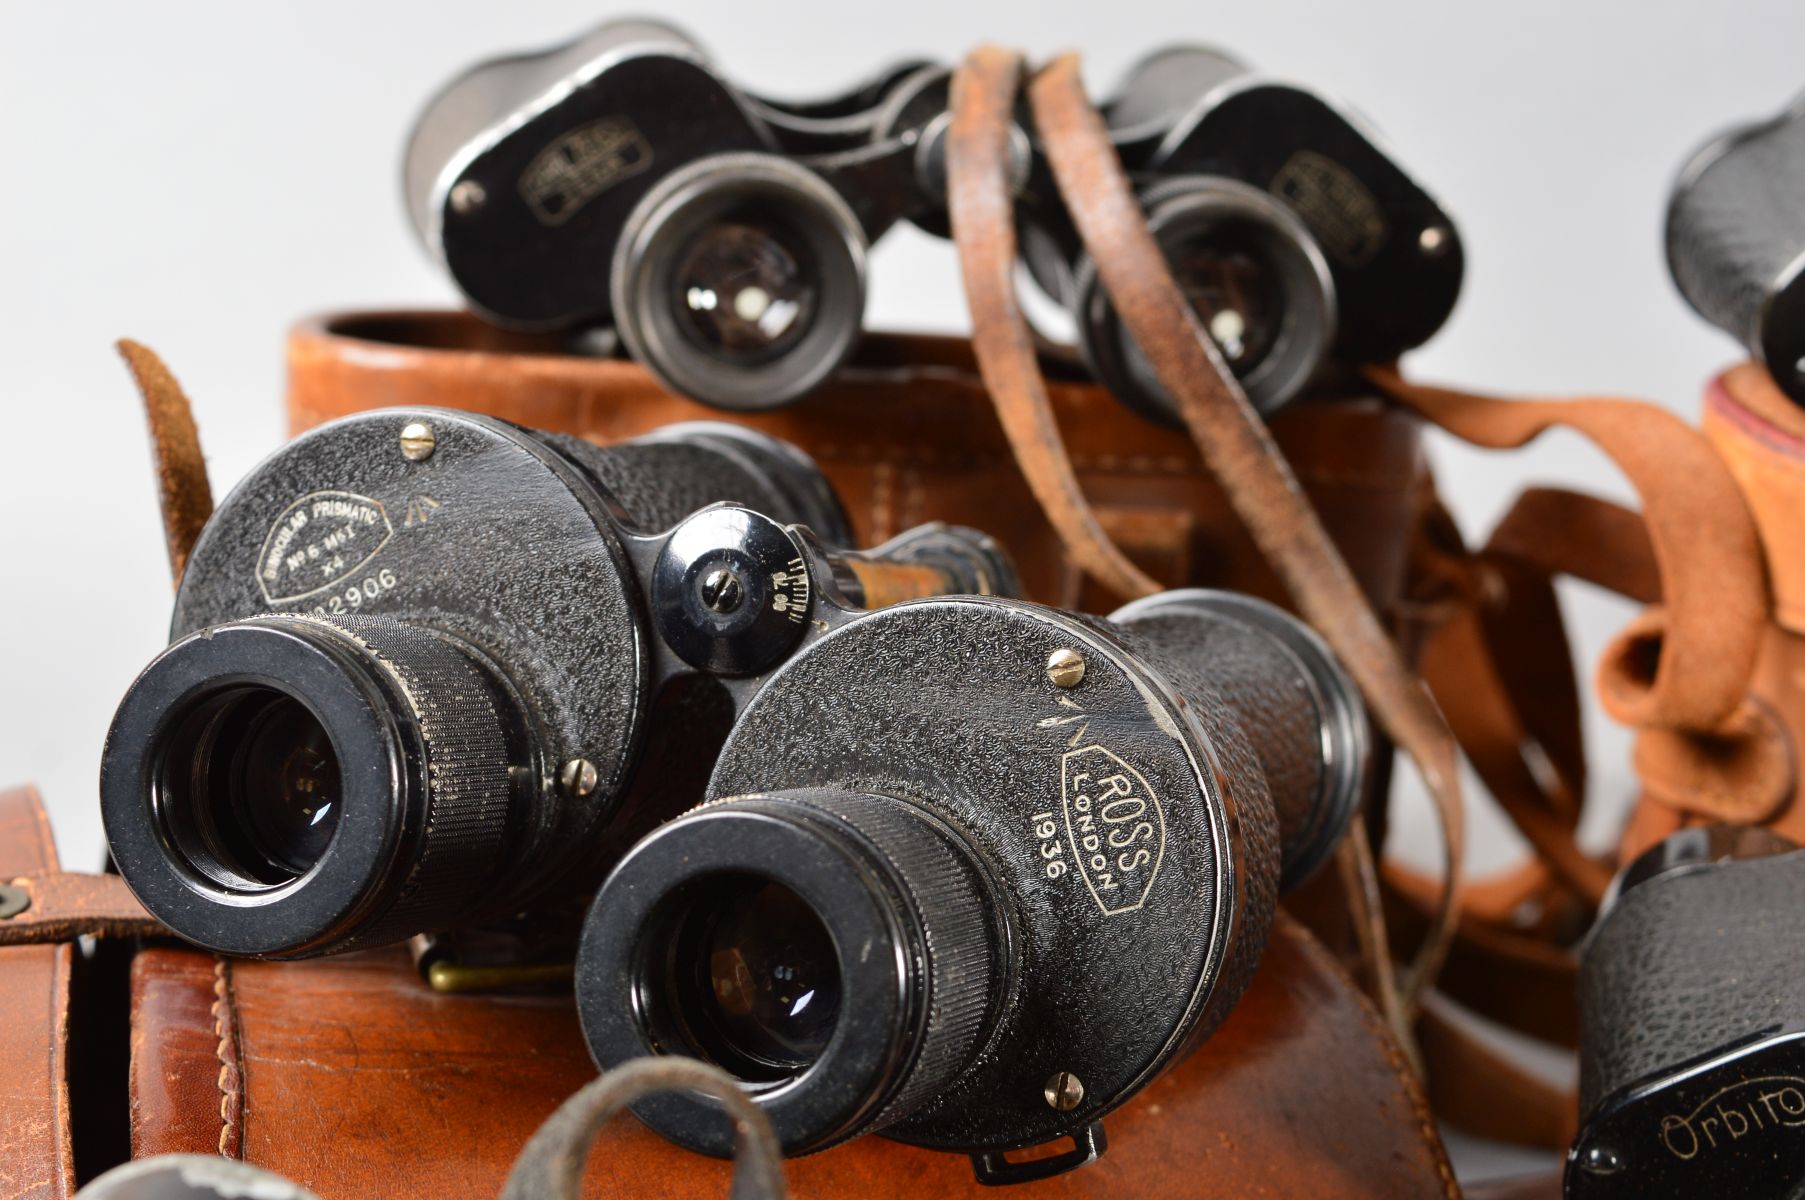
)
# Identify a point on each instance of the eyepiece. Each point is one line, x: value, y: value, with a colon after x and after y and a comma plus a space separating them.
x: 739, y: 280
x: 751, y: 976
x: 287, y: 786
x: 1253, y: 275
x: 251, y: 783
x: 835, y: 951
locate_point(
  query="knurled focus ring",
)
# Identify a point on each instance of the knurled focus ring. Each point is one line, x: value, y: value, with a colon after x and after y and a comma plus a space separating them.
x: 463, y: 817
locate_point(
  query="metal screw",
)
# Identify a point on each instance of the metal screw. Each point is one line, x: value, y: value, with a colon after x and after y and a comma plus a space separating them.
x: 579, y: 777
x: 13, y: 901
x: 722, y: 590
x: 1065, y: 668
x: 1433, y: 241
x: 467, y: 197
x: 418, y: 441
x: 1064, y: 1091
x: 1600, y: 1160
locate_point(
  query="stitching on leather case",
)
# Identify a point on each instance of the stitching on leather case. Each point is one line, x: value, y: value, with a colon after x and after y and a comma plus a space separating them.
x: 231, y: 1061
x: 1382, y: 1035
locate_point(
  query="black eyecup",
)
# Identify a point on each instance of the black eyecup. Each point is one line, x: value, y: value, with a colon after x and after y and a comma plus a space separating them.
x: 892, y: 1032
x: 688, y: 200
x: 423, y: 771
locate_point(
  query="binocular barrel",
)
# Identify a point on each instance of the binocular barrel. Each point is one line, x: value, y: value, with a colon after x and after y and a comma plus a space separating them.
x: 972, y: 871
x: 1736, y: 240
x: 415, y: 655
x: 1692, y: 1026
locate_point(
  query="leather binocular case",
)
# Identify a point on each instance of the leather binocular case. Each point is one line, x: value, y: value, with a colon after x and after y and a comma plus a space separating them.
x: 906, y: 433
x: 1760, y: 433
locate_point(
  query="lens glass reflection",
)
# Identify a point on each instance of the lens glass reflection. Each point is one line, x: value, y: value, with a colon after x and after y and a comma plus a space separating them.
x: 250, y: 788
x: 285, y: 788
x: 1234, y: 289
x: 757, y: 978
x: 745, y: 288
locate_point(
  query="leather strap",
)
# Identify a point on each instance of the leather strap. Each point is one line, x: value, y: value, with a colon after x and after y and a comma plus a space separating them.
x: 1703, y: 539
x: 981, y: 205
x: 65, y: 905
x: 1240, y: 451
x: 186, y: 498
x: 1477, y: 1088
x: 552, y: 1165
x: 36, y: 1153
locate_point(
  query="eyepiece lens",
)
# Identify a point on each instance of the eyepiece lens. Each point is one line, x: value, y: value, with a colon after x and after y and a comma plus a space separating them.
x: 250, y: 789
x: 286, y: 787
x: 756, y: 978
x: 745, y: 288
x: 1235, y: 291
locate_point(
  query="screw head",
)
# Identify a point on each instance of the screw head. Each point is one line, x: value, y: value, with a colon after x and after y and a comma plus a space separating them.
x: 418, y: 441
x: 721, y: 590
x: 1065, y: 667
x: 1434, y: 240
x: 13, y: 901
x: 468, y: 196
x: 579, y: 777
x: 1600, y: 1160
x: 1064, y: 1091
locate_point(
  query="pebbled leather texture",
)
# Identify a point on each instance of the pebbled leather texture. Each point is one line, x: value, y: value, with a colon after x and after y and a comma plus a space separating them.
x: 1686, y: 964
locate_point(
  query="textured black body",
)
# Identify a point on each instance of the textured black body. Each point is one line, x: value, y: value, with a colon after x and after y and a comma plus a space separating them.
x: 1692, y: 1060
x: 1736, y: 240
x: 1113, y: 963
x: 1685, y: 966
x: 511, y: 548
x: 1394, y: 253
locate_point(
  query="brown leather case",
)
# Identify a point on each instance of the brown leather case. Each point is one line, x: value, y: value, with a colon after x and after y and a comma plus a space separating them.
x: 351, y: 1077
x: 907, y: 433
x: 36, y: 1156
x: 1761, y: 435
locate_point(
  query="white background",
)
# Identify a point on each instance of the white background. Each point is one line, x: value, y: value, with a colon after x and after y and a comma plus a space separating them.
x: 197, y: 176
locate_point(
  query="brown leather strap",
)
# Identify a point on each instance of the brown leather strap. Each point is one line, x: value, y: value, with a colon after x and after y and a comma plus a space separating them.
x: 64, y: 905
x: 552, y: 1165
x: 1476, y: 1087
x: 1240, y: 451
x: 36, y: 1151
x: 982, y: 208
x: 1584, y: 537
x: 1702, y: 536
x: 175, y: 442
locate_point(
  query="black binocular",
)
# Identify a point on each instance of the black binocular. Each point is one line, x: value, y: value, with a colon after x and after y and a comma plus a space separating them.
x: 971, y: 871
x: 622, y: 181
x: 416, y: 656
x: 1692, y: 1024
x: 1736, y: 240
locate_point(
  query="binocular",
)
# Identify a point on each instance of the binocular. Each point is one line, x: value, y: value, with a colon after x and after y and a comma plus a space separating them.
x: 1026, y: 861
x: 622, y: 181
x: 1692, y: 1031
x: 415, y: 658
x: 968, y: 871
x: 1736, y: 240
